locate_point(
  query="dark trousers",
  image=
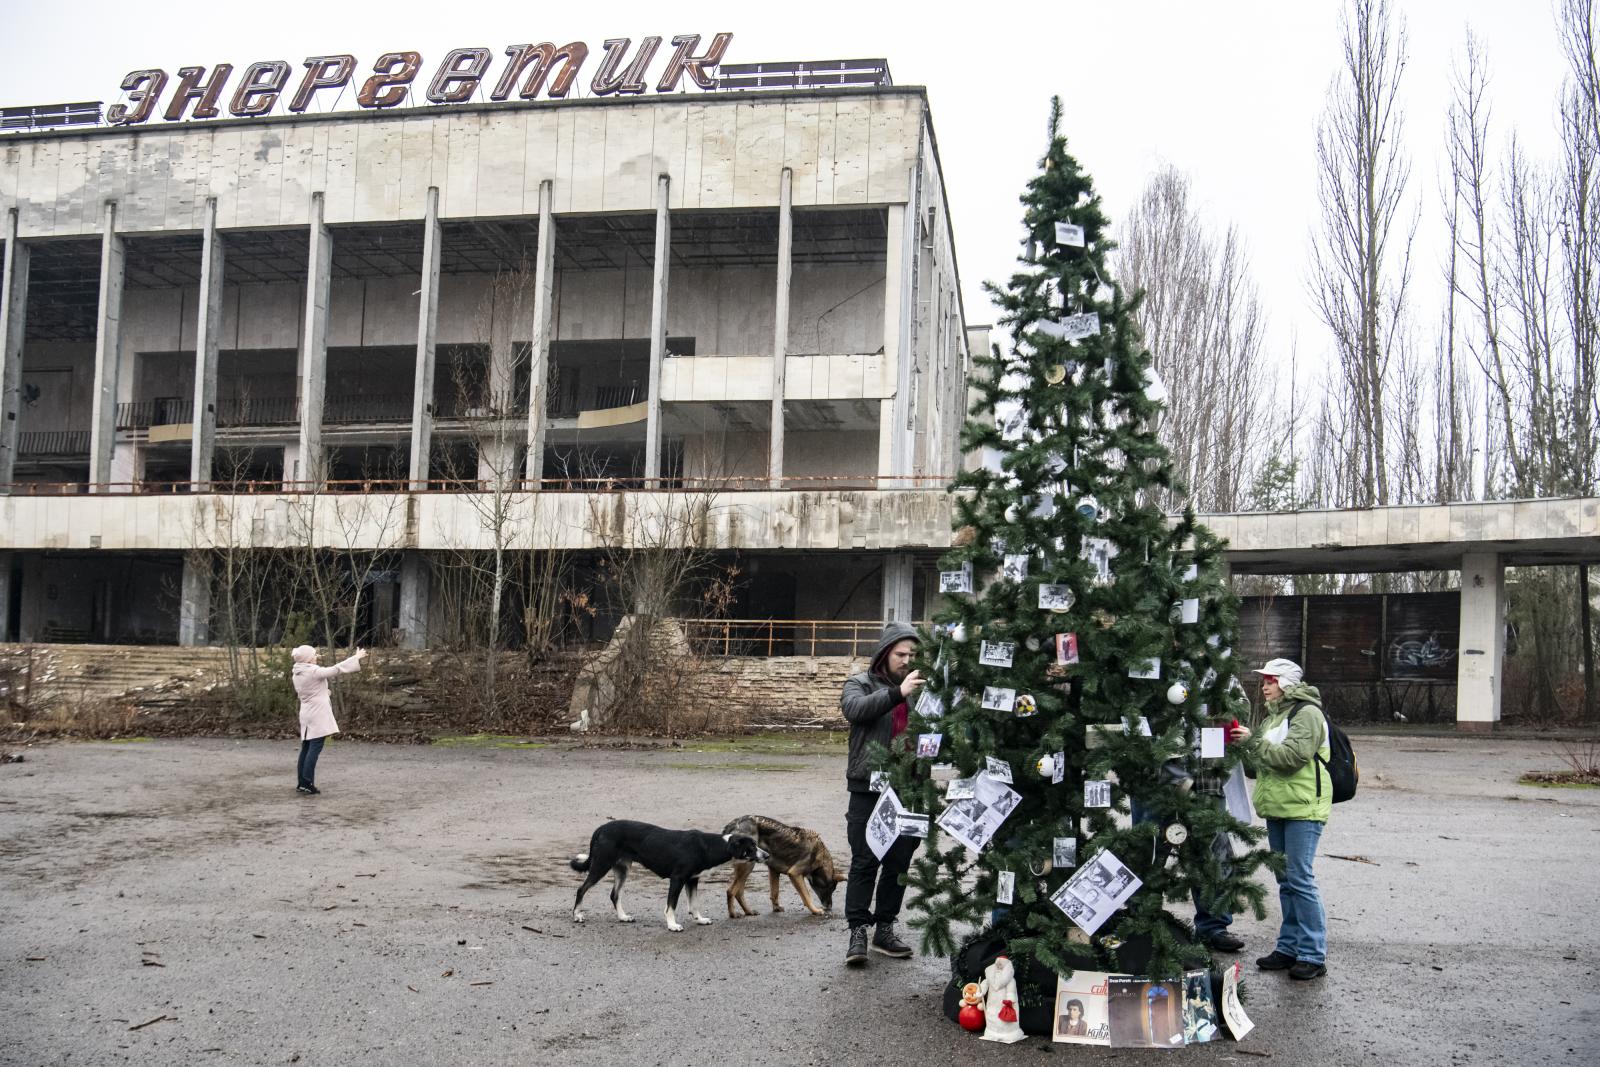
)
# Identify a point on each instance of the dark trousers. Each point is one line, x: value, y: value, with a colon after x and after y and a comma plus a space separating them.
x: 867, y: 872
x: 309, y: 751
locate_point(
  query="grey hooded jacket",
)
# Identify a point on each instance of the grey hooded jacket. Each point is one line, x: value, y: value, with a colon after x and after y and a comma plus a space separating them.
x: 867, y: 702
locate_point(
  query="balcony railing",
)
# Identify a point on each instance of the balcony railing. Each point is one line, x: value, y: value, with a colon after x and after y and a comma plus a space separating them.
x: 337, y: 410
x: 73, y: 443
x: 713, y: 486
x: 783, y: 637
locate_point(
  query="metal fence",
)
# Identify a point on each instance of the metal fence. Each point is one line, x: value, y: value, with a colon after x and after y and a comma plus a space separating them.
x: 783, y: 637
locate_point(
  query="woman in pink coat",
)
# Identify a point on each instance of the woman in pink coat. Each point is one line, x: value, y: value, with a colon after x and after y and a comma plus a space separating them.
x: 316, y: 710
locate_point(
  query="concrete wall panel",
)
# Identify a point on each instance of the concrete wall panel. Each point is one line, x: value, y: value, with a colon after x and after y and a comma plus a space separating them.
x: 800, y: 149
x: 628, y: 172
x: 719, y: 146
x: 588, y: 158
x: 852, y: 145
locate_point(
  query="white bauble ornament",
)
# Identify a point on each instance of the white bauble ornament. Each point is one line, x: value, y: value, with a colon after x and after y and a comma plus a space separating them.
x: 958, y: 633
x: 1032, y: 642
x: 1178, y: 693
x: 1011, y: 513
x: 1046, y: 766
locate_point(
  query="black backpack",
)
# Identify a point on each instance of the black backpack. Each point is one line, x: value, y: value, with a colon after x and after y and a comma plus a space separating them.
x: 1344, y: 774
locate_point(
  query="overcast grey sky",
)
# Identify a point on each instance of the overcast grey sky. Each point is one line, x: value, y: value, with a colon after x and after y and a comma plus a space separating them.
x: 1227, y: 90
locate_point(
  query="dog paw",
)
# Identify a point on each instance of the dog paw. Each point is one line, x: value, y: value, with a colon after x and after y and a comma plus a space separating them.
x: 577, y: 916
x: 701, y: 920
x: 624, y: 917
x: 777, y: 908
x: 676, y: 928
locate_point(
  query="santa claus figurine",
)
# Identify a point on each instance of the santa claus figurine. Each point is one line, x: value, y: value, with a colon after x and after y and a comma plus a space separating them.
x: 999, y: 987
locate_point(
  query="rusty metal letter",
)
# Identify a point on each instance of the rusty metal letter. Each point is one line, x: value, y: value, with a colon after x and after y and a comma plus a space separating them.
x: 141, y: 101
x: 459, y: 75
x: 630, y: 81
x: 388, y: 85
x: 322, y: 72
x: 682, y: 61
x: 258, y: 93
x: 542, y: 58
x: 190, y: 87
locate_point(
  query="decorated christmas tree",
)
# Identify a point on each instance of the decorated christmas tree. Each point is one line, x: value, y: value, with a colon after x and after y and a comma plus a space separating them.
x: 1085, y: 651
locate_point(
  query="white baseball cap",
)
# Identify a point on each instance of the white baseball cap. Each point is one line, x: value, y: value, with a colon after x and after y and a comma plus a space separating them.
x: 1287, y: 671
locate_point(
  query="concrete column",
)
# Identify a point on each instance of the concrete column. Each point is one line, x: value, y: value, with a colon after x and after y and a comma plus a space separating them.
x: 544, y: 280
x: 780, y: 330
x: 5, y: 599
x: 894, y: 279
x: 427, y: 346
x: 498, y: 464
x: 208, y: 337
x: 13, y: 316
x: 107, y: 351
x: 898, y: 313
x: 194, y: 605
x: 413, y: 600
x: 291, y: 465
x: 897, y: 587
x: 314, y: 347
x: 658, y: 331
x: 1479, y: 669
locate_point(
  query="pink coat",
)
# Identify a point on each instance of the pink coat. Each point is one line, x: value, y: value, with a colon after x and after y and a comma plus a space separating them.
x: 311, y: 685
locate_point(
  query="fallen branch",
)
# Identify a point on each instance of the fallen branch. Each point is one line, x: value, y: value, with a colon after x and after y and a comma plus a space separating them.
x: 1355, y: 859
x: 152, y: 1022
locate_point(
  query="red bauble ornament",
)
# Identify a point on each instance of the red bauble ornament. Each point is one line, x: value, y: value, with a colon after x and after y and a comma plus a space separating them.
x: 971, y: 1017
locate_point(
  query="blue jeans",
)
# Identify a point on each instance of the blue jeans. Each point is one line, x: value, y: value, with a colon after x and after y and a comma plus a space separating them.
x: 1207, y: 923
x: 309, y: 751
x: 1304, y: 934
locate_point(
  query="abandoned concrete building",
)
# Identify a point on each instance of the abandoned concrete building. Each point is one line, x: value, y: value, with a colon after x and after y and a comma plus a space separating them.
x: 345, y: 331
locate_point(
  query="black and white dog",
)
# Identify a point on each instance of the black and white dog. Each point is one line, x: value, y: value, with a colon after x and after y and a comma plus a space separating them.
x: 676, y: 855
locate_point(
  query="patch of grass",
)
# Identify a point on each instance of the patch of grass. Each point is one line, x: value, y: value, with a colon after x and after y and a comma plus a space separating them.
x: 822, y: 743
x: 1557, y: 780
x: 488, y: 741
x: 734, y: 766
x: 124, y: 740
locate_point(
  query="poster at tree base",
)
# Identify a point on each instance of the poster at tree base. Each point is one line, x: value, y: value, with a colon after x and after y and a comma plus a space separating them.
x: 1144, y: 1014
x: 1239, y: 1023
x: 1199, y: 1012
x: 1081, y: 1011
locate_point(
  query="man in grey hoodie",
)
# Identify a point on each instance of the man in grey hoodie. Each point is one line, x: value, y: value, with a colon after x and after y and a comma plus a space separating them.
x: 875, y: 703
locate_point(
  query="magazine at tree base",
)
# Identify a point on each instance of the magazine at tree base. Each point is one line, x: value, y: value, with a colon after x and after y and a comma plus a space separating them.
x: 1081, y: 1010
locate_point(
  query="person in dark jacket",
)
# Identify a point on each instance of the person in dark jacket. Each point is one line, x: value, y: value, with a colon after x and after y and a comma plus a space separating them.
x: 875, y: 703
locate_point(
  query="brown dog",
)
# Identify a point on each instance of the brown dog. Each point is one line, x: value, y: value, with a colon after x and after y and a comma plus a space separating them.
x: 789, y: 850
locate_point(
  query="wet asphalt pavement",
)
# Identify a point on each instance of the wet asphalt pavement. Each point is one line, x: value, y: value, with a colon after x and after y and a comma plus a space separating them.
x: 419, y: 912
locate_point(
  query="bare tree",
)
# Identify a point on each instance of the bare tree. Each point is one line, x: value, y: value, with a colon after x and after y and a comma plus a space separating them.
x: 499, y: 569
x: 1361, y: 258
x: 1202, y: 319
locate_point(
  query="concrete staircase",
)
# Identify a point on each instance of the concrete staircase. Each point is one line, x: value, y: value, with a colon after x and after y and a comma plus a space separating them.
x: 104, y: 672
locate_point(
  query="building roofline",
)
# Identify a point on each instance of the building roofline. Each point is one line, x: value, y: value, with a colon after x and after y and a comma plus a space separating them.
x: 743, y: 96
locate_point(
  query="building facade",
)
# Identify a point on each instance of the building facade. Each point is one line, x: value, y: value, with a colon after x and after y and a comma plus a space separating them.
x: 572, y: 308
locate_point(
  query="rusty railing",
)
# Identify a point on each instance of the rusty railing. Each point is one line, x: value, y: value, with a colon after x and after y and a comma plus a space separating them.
x: 783, y: 637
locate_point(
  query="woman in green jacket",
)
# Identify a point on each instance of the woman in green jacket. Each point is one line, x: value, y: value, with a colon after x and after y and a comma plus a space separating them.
x: 1288, y: 758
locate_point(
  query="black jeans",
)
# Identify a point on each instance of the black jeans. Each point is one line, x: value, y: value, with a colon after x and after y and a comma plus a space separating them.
x: 867, y: 872
x: 309, y: 751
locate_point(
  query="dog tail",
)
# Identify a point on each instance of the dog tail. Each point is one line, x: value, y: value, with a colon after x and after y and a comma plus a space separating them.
x: 580, y: 862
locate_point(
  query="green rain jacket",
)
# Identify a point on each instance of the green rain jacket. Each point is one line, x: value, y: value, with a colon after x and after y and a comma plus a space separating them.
x: 1285, y: 771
